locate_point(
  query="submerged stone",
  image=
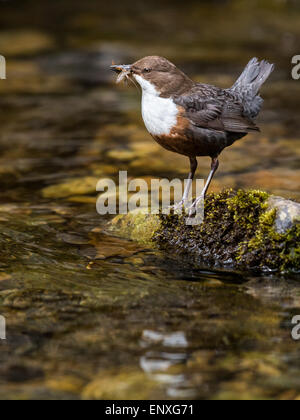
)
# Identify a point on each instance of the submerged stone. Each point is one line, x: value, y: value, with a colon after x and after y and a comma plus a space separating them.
x: 72, y: 187
x: 120, y: 384
x: 247, y: 229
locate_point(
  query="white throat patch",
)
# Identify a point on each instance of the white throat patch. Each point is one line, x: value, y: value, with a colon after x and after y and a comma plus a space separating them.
x: 159, y: 114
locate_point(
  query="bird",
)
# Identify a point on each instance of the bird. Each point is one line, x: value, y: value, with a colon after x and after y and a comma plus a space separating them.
x: 196, y: 119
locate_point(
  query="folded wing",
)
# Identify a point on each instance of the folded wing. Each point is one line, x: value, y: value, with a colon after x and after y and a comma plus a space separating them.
x: 215, y: 109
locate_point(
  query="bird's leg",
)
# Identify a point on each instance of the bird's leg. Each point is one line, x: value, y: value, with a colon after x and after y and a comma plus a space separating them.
x: 193, y: 165
x: 214, y: 168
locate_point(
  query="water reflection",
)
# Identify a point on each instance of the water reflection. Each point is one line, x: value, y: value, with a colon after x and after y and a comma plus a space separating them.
x: 176, y: 339
x: 158, y: 361
x: 93, y: 316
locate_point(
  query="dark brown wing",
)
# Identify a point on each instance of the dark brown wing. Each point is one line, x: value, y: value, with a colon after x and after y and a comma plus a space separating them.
x: 209, y: 107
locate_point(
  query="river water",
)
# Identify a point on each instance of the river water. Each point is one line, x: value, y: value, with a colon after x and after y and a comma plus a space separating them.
x: 90, y: 315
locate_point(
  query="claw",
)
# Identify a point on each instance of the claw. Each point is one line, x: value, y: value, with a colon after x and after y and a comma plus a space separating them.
x: 193, y: 208
x: 178, y: 207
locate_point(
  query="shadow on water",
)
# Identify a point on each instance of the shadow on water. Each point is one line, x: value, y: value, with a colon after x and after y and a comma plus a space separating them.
x: 90, y: 315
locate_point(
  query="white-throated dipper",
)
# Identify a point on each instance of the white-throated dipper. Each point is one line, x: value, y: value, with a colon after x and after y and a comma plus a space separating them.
x: 195, y: 119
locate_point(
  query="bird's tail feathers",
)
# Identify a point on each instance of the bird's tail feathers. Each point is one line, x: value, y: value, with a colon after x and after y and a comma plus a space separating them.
x: 248, y: 85
x: 255, y: 74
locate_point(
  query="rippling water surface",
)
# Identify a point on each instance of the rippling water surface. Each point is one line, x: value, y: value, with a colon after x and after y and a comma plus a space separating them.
x: 90, y: 315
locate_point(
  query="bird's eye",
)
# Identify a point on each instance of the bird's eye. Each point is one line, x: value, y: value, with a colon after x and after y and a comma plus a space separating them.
x: 147, y: 70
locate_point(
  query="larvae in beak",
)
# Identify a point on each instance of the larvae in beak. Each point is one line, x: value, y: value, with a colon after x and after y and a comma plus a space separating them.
x: 123, y: 72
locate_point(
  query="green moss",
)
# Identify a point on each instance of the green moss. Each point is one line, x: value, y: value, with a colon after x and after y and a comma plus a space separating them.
x: 245, y: 205
x: 280, y: 250
x: 238, y: 230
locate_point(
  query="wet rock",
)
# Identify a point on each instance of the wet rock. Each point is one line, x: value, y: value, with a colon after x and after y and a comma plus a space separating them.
x: 104, y: 246
x: 247, y: 229
x: 119, y: 385
x: 69, y: 384
x: 4, y: 276
x: 287, y: 213
x: 73, y: 187
x: 137, y: 226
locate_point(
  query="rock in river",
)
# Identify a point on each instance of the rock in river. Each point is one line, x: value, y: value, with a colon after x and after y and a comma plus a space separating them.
x: 243, y: 229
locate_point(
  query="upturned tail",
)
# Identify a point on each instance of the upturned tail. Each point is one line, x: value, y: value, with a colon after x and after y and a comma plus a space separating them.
x: 248, y: 85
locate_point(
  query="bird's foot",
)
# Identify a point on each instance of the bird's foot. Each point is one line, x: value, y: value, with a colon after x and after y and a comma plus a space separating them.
x: 193, y: 209
x: 179, y: 206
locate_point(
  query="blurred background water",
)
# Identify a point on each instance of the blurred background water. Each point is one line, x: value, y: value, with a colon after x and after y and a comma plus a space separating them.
x: 90, y: 315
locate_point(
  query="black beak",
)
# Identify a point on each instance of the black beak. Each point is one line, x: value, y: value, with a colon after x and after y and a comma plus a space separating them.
x: 121, y: 67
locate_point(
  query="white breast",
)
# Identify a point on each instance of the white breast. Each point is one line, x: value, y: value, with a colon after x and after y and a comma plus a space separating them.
x: 159, y: 114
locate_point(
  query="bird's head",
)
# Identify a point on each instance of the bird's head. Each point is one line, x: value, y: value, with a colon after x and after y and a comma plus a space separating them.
x: 156, y: 76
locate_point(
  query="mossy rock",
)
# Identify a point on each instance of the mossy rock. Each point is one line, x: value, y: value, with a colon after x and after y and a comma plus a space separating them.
x: 138, y: 226
x: 243, y: 229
